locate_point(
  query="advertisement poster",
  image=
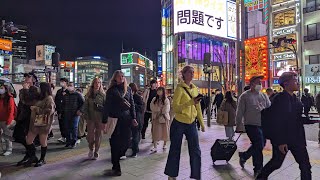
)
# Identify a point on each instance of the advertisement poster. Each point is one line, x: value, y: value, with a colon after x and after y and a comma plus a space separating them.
x: 205, y: 16
x: 256, y: 55
x: 284, y: 66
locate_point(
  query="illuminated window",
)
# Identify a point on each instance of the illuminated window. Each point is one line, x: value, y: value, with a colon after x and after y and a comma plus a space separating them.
x: 285, y: 18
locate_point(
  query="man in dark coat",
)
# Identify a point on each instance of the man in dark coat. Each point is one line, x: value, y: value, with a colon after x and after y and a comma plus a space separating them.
x: 307, y: 101
x: 287, y: 130
x: 58, y: 100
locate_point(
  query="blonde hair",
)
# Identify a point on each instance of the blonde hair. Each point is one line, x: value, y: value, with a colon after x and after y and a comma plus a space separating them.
x: 113, y: 81
x: 185, y: 69
x: 90, y: 92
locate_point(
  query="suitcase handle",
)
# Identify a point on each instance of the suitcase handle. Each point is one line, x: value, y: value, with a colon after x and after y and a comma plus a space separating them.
x: 235, y: 141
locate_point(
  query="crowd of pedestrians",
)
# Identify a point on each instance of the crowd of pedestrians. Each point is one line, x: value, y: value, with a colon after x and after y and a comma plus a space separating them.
x: 123, y: 112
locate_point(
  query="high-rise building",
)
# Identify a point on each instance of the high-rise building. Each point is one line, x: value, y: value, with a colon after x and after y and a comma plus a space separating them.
x: 311, y: 48
x: 191, y: 29
x: 20, y: 41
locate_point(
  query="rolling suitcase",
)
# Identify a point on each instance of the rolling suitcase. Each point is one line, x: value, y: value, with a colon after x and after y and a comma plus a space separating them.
x: 223, y: 149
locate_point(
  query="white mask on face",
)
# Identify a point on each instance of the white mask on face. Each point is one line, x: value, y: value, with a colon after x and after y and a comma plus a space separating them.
x: 258, y: 88
x: 2, y: 91
x: 63, y: 84
x: 71, y: 89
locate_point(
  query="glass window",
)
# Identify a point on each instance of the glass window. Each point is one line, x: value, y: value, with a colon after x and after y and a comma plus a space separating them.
x: 313, y: 59
x: 285, y: 18
x: 312, y: 31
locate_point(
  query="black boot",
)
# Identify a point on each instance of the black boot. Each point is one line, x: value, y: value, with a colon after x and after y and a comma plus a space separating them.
x: 26, y: 156
x: 32, y: 154
x: 43, y: 155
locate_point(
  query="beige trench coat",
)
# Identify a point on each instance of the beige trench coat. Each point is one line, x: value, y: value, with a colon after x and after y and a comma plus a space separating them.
x: 160, y: 131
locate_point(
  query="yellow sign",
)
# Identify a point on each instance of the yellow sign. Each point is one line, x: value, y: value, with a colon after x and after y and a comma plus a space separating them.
x: 5, y: 45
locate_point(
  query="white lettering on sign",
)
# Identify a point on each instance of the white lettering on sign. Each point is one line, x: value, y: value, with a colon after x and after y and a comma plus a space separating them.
x: 298, y: 11
x: 283, y: 31
x: 283, y: 56
x: 313, y: 80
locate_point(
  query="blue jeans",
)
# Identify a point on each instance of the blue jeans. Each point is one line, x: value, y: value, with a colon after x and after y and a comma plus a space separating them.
x: 71, y: 125
x: 177, y: 130
x: 257, y: 144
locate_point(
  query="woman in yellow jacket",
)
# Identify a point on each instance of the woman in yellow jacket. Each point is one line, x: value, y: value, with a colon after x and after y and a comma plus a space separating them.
x: 186, y: 106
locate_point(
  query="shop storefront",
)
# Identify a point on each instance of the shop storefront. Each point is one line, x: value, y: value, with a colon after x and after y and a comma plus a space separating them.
x: 312, y: 78
x: 67, y: 70
x: 137, y: 69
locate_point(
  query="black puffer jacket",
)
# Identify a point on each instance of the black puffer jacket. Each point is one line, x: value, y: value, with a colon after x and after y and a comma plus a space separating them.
x: 112, y: 107
x: 71, y: 103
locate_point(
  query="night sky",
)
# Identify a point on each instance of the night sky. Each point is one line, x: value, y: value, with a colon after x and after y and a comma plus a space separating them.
x: 89, y: 27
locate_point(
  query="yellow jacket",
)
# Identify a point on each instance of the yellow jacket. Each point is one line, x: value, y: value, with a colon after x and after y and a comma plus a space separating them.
x: 183, y: 106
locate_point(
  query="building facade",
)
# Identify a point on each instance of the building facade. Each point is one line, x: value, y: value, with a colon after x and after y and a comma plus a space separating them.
x: 189, y: 30
x: 88, y: 68
x: 286, y: 22
x: 311, y: 50
x: 137, y: 68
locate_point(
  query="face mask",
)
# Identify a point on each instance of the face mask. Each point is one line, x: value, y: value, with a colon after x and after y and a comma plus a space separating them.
x: 63, y: 85
x: 258, y: 88
x: 71, y: 89
x: 2, y: 91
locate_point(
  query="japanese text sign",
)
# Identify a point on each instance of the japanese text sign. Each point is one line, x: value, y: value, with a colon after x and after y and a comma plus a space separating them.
x: 5, y: 45
x: 210, y: 17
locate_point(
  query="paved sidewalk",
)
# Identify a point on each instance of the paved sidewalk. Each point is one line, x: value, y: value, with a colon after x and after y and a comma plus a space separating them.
x: 151, y: 166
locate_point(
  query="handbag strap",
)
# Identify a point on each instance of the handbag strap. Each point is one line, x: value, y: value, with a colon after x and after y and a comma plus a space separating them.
x: 188, y: 92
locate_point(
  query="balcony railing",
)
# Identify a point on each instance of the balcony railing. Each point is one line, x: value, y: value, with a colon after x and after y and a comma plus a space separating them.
x: 311, y: 9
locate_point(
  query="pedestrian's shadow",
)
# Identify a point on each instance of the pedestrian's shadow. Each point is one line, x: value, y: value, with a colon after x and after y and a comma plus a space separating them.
x: 226, y: 168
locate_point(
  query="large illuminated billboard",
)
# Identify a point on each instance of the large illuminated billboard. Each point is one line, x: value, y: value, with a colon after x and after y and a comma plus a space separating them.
x: 212, y: 17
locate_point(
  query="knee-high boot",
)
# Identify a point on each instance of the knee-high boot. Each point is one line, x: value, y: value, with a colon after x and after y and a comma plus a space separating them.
x: 42, y: 158
x: 26, y: 156
x: 32, y: 155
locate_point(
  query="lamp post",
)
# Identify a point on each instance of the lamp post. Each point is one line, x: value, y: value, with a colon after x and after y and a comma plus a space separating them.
x: 207, y: 69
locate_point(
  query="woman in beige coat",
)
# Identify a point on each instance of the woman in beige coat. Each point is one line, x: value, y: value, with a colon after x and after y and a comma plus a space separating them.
x: 229, y: 105
x: 160, y: 107
x: 42, y: 114
x: 92, y: 109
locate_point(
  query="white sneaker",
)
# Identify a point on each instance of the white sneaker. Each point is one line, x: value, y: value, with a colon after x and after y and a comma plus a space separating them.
x: 90, y: 154
x: 123, y: 157
x: 78, y: 141
x: 7, y: 153
x: 62, y: 140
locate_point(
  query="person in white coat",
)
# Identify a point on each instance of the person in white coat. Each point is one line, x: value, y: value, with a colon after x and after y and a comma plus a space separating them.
x: 160, y: 107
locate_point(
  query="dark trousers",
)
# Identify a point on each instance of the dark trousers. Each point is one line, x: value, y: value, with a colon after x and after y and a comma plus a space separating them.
x: 119, y: 143
x: 61, y: 125
x: 147, y: 117
x: 257, y: 144
x: 71, y: 128
x: 136, y: 136
x: 306, y: 110
x: 301, y: 156
x: 177, y: 130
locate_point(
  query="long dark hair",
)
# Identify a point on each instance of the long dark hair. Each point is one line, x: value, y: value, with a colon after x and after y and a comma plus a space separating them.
x: 163, y: 95
x: 7, y: 95
x: 45, y: 90
x: 229, y: 97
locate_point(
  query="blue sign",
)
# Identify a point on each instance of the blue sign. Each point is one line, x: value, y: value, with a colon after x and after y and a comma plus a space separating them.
x: 5, y: 52
x: 159, y: 62
x: 276, y: 81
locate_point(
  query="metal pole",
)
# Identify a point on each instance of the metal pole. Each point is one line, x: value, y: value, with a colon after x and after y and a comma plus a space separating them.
x: 209, y: 96
x: 238, y: 47
x: 243, y: 36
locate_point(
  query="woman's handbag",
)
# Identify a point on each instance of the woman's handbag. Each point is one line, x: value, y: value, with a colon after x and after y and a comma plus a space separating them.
x: 110, y: 126
x: 222, y: 117
x: 124, y: 104
x: 162, y: 119
x: 98, y: 105
x: 41, y: 120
